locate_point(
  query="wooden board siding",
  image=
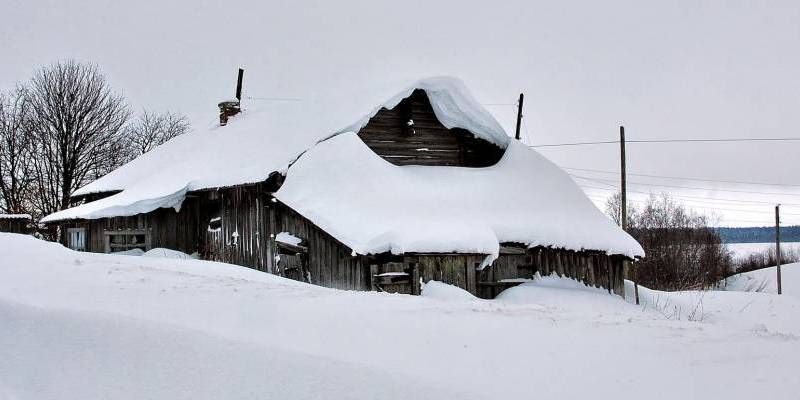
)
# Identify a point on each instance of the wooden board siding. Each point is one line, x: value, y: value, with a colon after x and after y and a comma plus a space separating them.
x: 250, y: 219
x: 165, y: 227
x: 593, y: 269
x: 427, y: 141
x: 14, y: 225
x: 250, y: 212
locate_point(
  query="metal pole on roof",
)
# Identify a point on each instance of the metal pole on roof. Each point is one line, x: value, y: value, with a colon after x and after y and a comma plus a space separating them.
x: 519, y: 115
x: 778, y: 243
x: 239, y: 85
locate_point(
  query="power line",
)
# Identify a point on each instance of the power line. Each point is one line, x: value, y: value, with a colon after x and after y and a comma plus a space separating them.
x: 703, y: 200
x: 734, y: 140
x: 614, y: 188
x: 688, y: 187
x: 685, y: 178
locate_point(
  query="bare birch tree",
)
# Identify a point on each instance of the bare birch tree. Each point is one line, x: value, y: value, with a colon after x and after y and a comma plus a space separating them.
x: 150, y: 130
x: 16, y: 143
x: 77, y: 125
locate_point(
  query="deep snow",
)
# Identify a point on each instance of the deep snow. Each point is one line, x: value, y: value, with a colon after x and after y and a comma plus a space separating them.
x: 765, y: 280
x: 80, y: 325
x: 524, y: 198
x: 266, y: 138
x: 337, y: 182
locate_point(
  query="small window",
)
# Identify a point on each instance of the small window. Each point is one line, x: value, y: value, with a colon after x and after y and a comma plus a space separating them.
x: 117, y: 241
x: 76, y: 239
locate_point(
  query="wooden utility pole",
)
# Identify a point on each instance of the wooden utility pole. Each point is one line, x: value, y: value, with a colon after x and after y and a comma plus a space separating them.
x: 519, y: 114
x: 778, y: 242
x: 623, y: 216
x: 629, y: 269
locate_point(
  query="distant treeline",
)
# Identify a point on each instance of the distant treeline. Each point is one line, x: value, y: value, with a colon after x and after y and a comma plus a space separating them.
x: 759, y: 234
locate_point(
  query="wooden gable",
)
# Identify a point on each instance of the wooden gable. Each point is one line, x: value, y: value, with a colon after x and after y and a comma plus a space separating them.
x: 392, y: 135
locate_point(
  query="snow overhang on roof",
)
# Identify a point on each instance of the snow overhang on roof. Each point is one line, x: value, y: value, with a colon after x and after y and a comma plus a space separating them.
x: 264, y: 139
x: 15, y: 216
x: 524, y: 198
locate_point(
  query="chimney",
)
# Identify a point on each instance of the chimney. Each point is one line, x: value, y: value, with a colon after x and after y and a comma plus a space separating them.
x: 230, y: 108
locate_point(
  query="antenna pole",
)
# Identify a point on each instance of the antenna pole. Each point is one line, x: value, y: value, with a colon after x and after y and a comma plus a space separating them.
x: 519, y: 114
x: 239, y: 85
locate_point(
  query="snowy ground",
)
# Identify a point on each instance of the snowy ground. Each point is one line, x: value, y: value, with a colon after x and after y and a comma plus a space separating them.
x: 89, y: 326
x: 765, y: 280
x: 743, y: 250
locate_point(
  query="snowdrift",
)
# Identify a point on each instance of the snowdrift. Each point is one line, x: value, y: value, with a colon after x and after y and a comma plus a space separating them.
x: 82, y: 325
x: 765, y: 280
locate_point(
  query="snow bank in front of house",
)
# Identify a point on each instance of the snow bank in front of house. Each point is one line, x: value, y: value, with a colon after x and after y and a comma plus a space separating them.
x: 160, y: 252
x: 265, y: 138
x: 76, y: 325
x: 374, y: 206
x: 443, y: 291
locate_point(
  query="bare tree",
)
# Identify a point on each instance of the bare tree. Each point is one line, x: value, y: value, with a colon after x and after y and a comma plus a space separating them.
x: 77, y: 123
x: 15, y: 152
x: 150, y: 130
x: 682, y: 250
x: 614, y: 209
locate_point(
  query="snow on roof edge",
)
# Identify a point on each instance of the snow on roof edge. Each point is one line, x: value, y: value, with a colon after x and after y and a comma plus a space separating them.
x: 15, y: 216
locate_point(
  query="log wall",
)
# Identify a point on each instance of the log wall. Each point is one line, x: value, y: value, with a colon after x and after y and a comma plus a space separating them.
x: 165, y: 227
x: 427, y: 141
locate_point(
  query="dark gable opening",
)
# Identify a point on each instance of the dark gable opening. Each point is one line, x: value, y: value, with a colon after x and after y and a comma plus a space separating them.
x: 410, y: 134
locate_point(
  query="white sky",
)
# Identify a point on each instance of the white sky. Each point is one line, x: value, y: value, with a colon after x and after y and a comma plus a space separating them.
x: 664, y: 70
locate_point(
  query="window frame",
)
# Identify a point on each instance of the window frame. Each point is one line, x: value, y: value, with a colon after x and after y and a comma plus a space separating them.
x: 111, y: 247
x: 77, y: 232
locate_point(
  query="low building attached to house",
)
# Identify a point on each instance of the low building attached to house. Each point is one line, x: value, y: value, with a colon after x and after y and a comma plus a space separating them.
x: 15, y: 223
x: 376, y: 193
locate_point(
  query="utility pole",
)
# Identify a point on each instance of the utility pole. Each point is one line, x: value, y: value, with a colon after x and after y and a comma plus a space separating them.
x: 778, y: 242
x: 519, y: 114
x: 629, y: 269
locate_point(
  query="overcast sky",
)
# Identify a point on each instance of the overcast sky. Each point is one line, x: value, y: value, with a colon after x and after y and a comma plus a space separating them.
x: 663, y: 69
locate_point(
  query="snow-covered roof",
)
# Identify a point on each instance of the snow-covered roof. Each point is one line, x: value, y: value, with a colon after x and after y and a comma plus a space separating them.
x: 15, y: 216
x: 524, y: 198
x: 266, y: 137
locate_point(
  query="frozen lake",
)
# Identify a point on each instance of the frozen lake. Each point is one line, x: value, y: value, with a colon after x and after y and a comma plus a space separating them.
x: 741, y: 250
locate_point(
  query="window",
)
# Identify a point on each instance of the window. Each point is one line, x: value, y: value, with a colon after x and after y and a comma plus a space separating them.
x: 126, y: 240
x: 76, y: 239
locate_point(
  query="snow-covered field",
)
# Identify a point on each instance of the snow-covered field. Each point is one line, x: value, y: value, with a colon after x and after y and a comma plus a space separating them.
x: 742, y: 250
x: 92, y: 326
x: 765, y: 280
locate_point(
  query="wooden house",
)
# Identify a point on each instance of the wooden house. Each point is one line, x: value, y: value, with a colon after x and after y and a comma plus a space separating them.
x: 385, y: 192
x: 15, y: 223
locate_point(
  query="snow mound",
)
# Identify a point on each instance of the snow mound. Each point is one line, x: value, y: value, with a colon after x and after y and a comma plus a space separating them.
x: 263, y: 139
x: 160, y: 252
x: 523, y: 198
x: 443, y: 291
x: 765, y: 280
x: 563, y: 294
x: 77, y: 325
x: 131, y: 252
